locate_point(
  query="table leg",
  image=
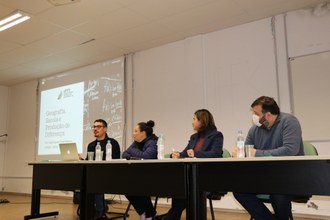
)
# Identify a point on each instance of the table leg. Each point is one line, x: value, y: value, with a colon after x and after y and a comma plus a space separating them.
x: 35, y: 207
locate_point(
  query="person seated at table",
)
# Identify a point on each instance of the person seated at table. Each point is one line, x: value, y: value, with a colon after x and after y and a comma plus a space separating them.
x: 274, y: 133
x: 207, y: 142
x: 143, y: 147
x: 100, y: 129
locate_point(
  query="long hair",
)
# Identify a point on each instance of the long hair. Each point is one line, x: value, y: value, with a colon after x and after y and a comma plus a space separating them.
x: 206, y: 119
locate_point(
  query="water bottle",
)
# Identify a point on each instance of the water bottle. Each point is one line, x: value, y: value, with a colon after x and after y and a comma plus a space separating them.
x: 108, y: 151
x: 98, y: 156
x: 161, y: 147
x: 240, y: 144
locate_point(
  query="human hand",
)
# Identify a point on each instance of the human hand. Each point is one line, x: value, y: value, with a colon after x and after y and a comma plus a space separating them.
x: 176, y: 155
x: 191, y: 153
x: 234, y: 152
x: 253, y: 152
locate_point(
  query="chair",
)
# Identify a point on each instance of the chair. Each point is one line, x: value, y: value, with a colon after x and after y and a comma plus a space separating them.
x: 309, y: 150
x: 114, y: 215
x: 209, y: 195
x: 225, y: 153
x: 217, y: 195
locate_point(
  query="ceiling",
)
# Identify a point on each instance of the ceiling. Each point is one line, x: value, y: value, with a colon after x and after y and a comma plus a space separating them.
x: 71, y: 35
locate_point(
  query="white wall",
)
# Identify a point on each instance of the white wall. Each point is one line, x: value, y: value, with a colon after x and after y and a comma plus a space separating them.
x: 223, y: 71
x: 21, y: 137
x: 238, y: 70
x: 168, y: 88
x: 309, y: 34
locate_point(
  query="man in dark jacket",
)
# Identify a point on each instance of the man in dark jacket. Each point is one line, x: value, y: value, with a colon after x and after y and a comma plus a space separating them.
x: 100, y: 129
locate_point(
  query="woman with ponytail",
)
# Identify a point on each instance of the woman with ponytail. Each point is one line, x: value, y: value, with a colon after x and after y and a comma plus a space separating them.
x: 143, y: 147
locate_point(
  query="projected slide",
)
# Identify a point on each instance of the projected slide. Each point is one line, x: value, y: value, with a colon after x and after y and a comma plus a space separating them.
x: 61, y: 117
x: 70, y: 102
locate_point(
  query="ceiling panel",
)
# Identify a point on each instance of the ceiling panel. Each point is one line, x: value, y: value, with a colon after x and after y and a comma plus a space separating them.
x: 74, y: 14
x: 33, y: 7
x: 16, y: 74
x: 111, y: 23
x: 60, y: 41
x: 90, y: 49
x: 215, y: 25
x: 134, y: 36
x: 155, y: 43
x: 268, y: 8
x: 60, y: 38
x: 22, y: 34
x: 198, y: 17
x: 3, y: 67
x: 155, y: 9
x: 6, y: 46
x: 22, y: 54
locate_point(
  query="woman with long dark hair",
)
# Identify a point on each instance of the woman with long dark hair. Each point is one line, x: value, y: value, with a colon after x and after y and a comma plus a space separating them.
x: 207, y: 142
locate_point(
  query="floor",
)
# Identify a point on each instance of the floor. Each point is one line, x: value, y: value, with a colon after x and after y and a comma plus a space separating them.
x: 19, y: 206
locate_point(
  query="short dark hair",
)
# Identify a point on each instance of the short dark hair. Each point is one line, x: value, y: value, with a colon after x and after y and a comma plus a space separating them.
x: 268, y: 104
x: 147, y: 127
x: 105, y: 124
x: 206, y: 119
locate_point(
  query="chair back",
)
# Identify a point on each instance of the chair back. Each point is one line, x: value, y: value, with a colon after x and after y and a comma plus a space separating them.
x: 225, y: 153
x: 309, y: 149
x: 218, y: 195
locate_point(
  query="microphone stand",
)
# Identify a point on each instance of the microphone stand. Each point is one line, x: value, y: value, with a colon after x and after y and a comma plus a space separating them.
x: 3, y: 200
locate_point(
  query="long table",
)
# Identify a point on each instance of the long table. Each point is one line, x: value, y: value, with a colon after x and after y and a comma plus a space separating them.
x: 154, y: 178
x: 298, y: 175
x: 57, y: 176
x: 146, y: 177
x: 187, y: 179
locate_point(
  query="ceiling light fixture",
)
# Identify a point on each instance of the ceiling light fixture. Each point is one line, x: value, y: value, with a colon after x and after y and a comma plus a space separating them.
x: 13, y: 19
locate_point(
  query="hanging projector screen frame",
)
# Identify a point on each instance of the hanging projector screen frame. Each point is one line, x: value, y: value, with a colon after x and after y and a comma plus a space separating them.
x: 98, y: 91
x: 310, y: 90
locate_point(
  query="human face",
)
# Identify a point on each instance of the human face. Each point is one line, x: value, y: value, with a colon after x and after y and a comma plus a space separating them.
x: 139, y: 135
x: 257, y: 110
x: 99, y: 130
x: 263, y: 118
x: 196, y: 124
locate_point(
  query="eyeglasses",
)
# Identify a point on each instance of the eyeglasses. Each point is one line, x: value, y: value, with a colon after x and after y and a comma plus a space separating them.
x: 97, y: 126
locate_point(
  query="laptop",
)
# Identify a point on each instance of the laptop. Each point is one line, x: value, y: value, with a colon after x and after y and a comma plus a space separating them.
x: 69, y: 151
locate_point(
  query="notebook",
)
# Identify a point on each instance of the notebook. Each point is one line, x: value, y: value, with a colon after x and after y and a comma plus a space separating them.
x: 69, y: 151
